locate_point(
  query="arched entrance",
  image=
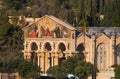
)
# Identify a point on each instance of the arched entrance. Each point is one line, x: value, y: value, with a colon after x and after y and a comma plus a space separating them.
x: 34, y: 48
x: 80, y: 48
x: 62, y: 47
x: 118, y: 54
x: 101, y: 57
x: 62, y: 50
x: 48, y: 47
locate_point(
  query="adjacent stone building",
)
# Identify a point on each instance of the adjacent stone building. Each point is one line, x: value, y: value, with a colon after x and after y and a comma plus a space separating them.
x: 49, y: 40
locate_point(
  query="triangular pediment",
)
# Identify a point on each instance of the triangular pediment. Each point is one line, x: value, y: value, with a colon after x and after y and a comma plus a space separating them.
x: 50, y: 25
x: 51, y: 21
x: 102, y: 37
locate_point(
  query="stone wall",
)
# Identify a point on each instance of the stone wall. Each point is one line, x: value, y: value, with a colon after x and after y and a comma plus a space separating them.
x: 9, y: 76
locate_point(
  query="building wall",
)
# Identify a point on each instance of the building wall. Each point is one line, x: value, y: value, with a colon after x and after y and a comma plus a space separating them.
x: 91, y: 45
x: 53, y: 42
x: 51, y: 50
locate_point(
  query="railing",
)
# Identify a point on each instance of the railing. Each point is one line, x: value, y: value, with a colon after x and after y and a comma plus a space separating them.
x: 48, y: 38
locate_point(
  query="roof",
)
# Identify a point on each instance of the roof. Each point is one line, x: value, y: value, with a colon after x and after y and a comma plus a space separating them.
x: 67, y: 25
x: 106, y: 30
x: 98, y: 31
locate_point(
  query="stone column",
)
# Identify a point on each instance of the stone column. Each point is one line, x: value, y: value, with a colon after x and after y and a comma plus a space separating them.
x: 29, y: 56
x: 113, y: 50
x: 38, y: 60
x: 25, y: 45
x: 66, y: 45
x: 0, y: 76
x: 39, y: 30
x: 25, y: 57
x: 42, y: 61
x: 55, y: 59
x: 93, y: 53
x: 46, y: 61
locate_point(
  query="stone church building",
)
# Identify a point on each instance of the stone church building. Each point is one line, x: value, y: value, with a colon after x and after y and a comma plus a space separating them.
x: 49, y: 40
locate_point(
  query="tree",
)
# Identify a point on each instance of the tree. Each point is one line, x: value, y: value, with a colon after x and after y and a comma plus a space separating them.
x: 10, y: 62
x: 57, y: 72
x: 17, y: 4
x: 28, y: 70
x: 72, y: 65
x: 84, y: 69
x: 117, y: 72
x: 10, y: 38
x: 83, y: 28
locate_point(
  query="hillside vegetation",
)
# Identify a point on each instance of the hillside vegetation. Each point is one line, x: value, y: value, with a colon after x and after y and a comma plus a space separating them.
x: 96, y: 12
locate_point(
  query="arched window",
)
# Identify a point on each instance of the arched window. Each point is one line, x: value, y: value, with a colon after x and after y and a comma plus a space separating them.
x: 62, y: 47
x: 80, y: 48
x: 48, y: 47
x: 101, y: 57
x: 118, y: 54
x: 34, y: 46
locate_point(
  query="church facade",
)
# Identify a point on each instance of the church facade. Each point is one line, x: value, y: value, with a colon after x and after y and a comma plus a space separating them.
x: 49, y: 41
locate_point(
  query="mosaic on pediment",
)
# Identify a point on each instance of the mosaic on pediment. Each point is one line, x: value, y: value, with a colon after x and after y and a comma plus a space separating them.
x: 48, y: 28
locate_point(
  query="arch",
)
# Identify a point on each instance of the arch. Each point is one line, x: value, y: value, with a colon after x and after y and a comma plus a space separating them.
x: 80, y: 48
x: 34, y: 46
x: 118, y: 49
x: 47, y: 46
x: 62, y: 47
x: 57, y: 45
x: 118, y: 54
x: 101, y: 56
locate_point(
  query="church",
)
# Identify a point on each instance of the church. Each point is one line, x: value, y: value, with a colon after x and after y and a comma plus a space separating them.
x: 49, y: 41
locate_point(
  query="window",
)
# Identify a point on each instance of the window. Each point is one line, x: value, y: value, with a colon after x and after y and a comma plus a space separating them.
x: 48, y: 46
x: 62, y: 47
x: 34, y: 46
x: 73, y: 36
x: 118, y: 54
x: 101, y: 57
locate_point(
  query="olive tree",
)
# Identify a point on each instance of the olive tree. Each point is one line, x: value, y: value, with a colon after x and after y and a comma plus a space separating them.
x: 28, y: 70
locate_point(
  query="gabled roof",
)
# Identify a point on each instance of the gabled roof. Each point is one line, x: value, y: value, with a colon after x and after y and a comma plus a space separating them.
x: 67, y: 25
x: 82, y: 34
x: 98, y: 36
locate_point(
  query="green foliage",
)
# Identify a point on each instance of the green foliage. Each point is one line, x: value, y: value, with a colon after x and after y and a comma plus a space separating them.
x: 10, y: 62
x: 28, y: 70
x: 3, y: 19
x: 73, y: 65
x: 10, y: 38
x: 57, y: 72
x: 70, y: 64
x: 117, y: 72
x: 83, y: 69
x: 82, y: 9
x: 83, y: 26
x: 17, y: 4
x: 112, y: 19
